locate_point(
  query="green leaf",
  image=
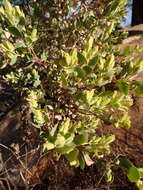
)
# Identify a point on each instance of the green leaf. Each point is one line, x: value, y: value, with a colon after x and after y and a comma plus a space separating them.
x: 66, y: 59
x: 7, y: 46
x: 38, y: 116
x: 13, y: 60
x: 63, y: 62
x: 74, y: 163
x: 48, y: 146
x: 13, y: 30
x: 81, y: 139
x: 80, y: 72
x: 20, y: 45
x: 126, y: 51
x: 81, y: 162
x: 122, y: 85
x: 81, y: 58
x: 8, y: 7
x: 60, y: 141
x: 69, y: 138
x: 109, y: 139
x: 94, y: 60
x: 21, y: 21
x: 111, y: 62
x: 74, y: 58
x: 89, y: 44
x: 66, y: 149
x: 139, y: 89
x: 63, y: 80
x: 109, y: 176
x: 89, y: 96
x: 87, y: 69
x: 65, y: 126
x: 127, y: 164
x: 133, y: 174
x: 73, y: 155
x: 34, y: 35
x: 53, y: 131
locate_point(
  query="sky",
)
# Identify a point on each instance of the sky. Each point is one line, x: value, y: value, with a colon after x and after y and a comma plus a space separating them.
x: 127, y: 21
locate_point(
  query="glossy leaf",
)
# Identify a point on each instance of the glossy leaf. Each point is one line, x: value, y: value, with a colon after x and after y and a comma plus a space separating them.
x: 13, y: 30
x: 72, y: 156
x: 81, y: 139
x: 126, y: 163
x: 133, y: 174
x: 66, y: 149
x: 81, y: 58
x: 81, y: 162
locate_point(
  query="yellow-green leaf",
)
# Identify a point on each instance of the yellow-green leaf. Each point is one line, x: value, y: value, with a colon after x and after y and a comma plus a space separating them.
x: 48, y: 146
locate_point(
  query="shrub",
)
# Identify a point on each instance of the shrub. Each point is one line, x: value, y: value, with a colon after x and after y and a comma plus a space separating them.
x: 60, y: 58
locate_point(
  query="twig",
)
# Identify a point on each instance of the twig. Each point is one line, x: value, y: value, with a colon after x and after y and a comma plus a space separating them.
x: 17, y: 158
